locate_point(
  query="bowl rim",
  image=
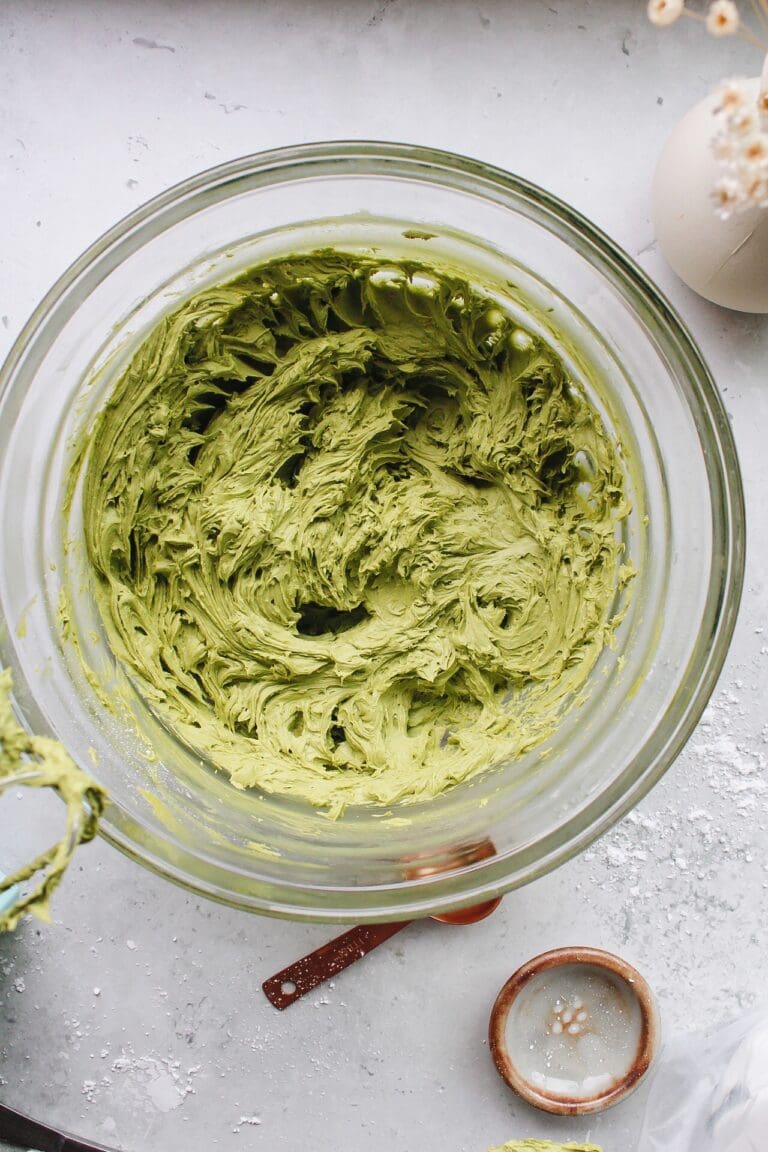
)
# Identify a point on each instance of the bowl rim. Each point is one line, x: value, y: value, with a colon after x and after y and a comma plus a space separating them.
x: 490, y: 878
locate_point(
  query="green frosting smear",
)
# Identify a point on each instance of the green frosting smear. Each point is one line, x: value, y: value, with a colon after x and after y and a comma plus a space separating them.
x: 39, y: 762
x: 356, y: 532
x: 543, y: 1146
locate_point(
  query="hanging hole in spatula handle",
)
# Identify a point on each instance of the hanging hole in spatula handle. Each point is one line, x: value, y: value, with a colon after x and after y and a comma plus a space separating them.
x: 288, y: 986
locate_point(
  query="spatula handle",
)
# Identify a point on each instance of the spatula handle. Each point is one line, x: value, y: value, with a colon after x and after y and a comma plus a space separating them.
x: 326, y: 962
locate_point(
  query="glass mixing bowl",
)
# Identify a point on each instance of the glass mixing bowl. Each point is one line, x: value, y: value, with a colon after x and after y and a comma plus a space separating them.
x: 174, y: 812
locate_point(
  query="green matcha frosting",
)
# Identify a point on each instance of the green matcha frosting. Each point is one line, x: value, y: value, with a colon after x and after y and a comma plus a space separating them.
x: 39, y: 762
x: 543, y: 1146
x: 355, y: 532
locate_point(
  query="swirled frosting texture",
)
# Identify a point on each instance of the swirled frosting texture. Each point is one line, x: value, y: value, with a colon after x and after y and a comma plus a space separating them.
x: 354, y: 530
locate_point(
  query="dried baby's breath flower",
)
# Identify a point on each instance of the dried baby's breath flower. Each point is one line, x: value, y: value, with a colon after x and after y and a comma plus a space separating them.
x: 740, y: 144
x: 731, y: 95
x: 723, y: 18
x: 728, y: 196
x: 665, y: 12
x: 754, y: 151
x: 744, y: 122
x: 741, y: 149
x: 756, y: 191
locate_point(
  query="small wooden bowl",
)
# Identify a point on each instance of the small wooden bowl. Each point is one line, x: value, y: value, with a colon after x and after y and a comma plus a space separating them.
x: 554, y: 1035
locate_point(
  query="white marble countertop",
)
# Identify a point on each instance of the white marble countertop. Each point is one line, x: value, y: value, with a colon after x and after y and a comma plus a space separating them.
x: 136, y: 1018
